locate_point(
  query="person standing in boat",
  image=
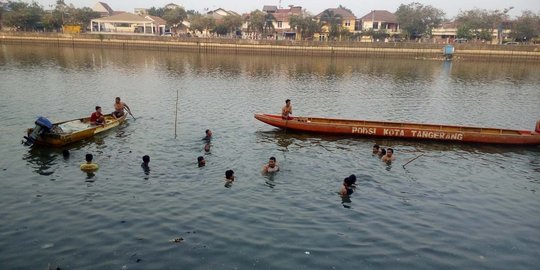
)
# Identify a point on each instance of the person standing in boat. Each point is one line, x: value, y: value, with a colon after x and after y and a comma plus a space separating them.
x: 286, y: 111
x: 97, y: 117
x: 389, y: 157
x: 271, y: 167
x: 119, y: 108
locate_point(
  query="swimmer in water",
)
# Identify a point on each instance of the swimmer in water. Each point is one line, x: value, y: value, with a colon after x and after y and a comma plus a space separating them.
x: 89, y: 166
x: 271, y: 166
x: 348, y: 187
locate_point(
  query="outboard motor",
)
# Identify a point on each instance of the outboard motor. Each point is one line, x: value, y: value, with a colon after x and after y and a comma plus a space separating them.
x: 42, y: 125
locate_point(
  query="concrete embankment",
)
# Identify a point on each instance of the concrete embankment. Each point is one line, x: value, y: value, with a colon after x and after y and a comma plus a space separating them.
x: 288, y: 48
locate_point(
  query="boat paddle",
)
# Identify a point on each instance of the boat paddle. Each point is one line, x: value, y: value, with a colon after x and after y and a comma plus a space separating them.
x: 129, y: 111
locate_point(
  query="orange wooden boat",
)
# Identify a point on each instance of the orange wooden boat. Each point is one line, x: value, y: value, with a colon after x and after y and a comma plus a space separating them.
x: 405, y: 130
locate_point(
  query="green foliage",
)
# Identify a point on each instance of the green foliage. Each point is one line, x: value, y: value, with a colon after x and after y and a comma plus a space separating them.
x: 526, y: 27
x: 232, y: 22
x: 202, y: 23
x: 464, y: 31
x: 481, y: 22
x: 23, y: 16
x: 82, y: 16
x: 174, y: 16
x: 221, y: 30
x: 332, y: 22
x: 158, y: 12
x: 417, y: 20
x: 306, y: 26
x: 260, y: 22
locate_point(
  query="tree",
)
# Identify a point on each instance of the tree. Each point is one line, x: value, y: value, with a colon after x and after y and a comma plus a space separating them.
x: 306, y: 26
x: 417, y: 20
x: 464, y: 31
x: 526, y: 27
x: 158, y: 12
x: 232, y: 22
x: 83, y: 16
x: 482, y: 22
x: 23, y: 16
x: 221, y: 30
x: 174, y: 16
x: 332, y: 22
x: 202, y: 23
x: 260, y: 22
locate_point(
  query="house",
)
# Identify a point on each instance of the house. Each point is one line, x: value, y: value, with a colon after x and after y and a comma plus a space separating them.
x: 125, y: 23
x: 445, y: 32
x: 103, y: 8
x: 160, y: 25
x: 219, y: 14
x: 281, y: 20
x: 346, y: 18
x: 380, y: 20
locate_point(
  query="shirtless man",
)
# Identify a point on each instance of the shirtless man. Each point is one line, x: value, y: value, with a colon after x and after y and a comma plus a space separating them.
x: 119, y: 108
x: 286, y: 111
x: 271, y: 166
x: 389, y: 157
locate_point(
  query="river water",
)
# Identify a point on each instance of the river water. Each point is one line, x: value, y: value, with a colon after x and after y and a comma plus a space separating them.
x: 455, y: 207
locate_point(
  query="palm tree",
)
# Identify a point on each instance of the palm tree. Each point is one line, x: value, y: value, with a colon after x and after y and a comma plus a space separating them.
x: 332, y: 22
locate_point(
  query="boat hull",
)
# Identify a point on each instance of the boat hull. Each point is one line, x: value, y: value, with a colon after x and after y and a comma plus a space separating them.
x: 403, y: 130
x: 78, y: 129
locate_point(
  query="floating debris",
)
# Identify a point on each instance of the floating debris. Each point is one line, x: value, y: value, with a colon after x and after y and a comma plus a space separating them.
x: 49, y: 245
x: 307, y: 253
x: 177, y: 240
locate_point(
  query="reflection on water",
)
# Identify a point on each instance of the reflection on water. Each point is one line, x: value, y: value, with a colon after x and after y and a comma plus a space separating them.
x: 42, y: 159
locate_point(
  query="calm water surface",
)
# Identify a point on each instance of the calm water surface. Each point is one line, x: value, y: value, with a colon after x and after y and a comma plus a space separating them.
x: 456, y: 207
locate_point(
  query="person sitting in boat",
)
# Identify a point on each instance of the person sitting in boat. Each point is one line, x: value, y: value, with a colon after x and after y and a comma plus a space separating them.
x: 376, y: 149
x: 201, y: 162
x: 286, y: 111
x: 119, y: 108
x: 348, y: 187
x: 389, y: 157
x: 88, y: 166
x: 146, y: 163
x: 97, y: 117
x: 271, y: 167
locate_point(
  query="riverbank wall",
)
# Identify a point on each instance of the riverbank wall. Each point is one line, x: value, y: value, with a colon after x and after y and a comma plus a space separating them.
x: 408, y: 50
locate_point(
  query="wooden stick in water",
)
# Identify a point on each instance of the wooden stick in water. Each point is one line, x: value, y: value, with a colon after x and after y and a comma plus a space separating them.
x: 176, y: 114
x: 411, y: 160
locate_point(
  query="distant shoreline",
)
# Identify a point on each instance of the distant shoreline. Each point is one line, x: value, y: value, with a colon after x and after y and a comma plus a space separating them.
x: 403, y: 50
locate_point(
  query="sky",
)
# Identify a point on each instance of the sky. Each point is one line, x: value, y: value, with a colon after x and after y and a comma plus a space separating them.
x: 359, y: 7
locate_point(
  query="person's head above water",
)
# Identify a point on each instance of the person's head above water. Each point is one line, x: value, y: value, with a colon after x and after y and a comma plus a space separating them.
x: 146, y: 159
x: 208, y: 133
x: 349, y: 181
x: 201, y: 161
x: 272, y: 162
x: 389, y: 152
x: 89, y: 157
x: 376, y: 148
x: 229, y: 175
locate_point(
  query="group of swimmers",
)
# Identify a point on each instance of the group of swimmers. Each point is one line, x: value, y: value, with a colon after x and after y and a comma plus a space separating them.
x: 349, y: 183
